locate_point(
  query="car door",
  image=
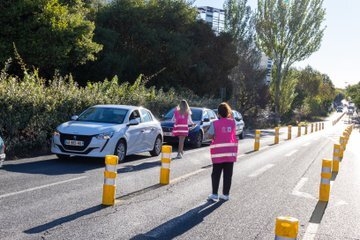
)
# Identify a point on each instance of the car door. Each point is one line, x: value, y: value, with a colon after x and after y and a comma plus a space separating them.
x: 150, y: 131
x: 135, y: 134
x: 208, y: 117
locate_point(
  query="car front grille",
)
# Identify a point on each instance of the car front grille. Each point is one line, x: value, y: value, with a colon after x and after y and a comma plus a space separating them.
x: 85, y: 139
x: 167, y: 129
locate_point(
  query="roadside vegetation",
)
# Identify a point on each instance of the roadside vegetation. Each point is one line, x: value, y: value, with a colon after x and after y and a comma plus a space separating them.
x: 64, y: 56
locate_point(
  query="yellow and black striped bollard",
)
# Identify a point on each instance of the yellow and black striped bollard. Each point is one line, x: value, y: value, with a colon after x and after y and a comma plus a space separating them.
x: 257, y: 140
x: 110, y: 173
x: 165, y: 164
x: 324, y: 192
x: 276, y: 139
x: 289, y: 132
x: 286, y: 228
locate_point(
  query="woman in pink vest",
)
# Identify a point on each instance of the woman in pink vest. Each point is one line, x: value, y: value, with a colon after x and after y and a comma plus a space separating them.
x: 223, y: 150
x: 182, y: 120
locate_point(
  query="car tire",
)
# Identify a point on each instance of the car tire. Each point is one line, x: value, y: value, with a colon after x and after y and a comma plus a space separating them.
x: 157, y: 147
x: 198, y: 140
x: 120, y: 150
x: 241, y: 135
x: 63, y: 157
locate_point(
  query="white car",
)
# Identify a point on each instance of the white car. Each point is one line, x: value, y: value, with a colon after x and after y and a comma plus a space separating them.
x: 103, y: 130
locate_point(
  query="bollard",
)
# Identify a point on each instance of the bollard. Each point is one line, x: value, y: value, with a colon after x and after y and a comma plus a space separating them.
x: 306, y: 129
x: 343, y: 143
x: 110, y: 173
x: 323, y: 126
x: 324, y: 192
x: 299, y: 130
x: 165, y: 164
x: 316, y: 127
x: 289, y: 132
x: 276, y: 139
x: 257, y: 140
x: 312, y: 127
x: 337, y: 157
x: 286, y: 228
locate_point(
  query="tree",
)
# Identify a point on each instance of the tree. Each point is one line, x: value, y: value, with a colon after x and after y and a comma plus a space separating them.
x: 249, y: 89
x: 48, y: 34
x: 145, y: 37
x: 288, y: 31
x: 353, y: 93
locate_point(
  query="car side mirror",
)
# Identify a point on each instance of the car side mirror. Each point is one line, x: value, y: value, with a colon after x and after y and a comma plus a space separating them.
x: 75, y: 117
x: 206, y: 120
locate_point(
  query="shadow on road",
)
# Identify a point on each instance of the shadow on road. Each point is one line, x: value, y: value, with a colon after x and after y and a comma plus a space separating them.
x: 63, y: 220
x: 181, y: 224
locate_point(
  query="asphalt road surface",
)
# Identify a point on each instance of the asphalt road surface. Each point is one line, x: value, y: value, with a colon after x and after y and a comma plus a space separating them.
x: 44, y: 198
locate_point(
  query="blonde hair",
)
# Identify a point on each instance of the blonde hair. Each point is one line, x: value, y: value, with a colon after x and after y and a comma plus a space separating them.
x: 183, y: 107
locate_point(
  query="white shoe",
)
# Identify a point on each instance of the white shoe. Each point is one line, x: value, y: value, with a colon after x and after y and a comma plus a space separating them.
x: 213, y: 197
x: 224, y: 197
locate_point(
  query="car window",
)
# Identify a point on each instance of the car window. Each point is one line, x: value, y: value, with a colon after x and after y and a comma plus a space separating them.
x: 135, y: 115
x: 146, y: 115
x: 169, y: 115
x: 105, y: 115
x: 212, y: 114
x: 196, y: 114
x: 206, y: 115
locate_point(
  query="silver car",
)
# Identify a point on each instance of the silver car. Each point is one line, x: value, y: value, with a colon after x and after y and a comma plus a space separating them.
x: 103, y: 130
x: 2, y: 152
x: 239, y: 121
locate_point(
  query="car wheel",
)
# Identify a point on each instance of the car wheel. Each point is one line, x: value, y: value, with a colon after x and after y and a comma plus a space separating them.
x: 120, y: 150
x: 63, y: 157
x: 241, y: 135
x: 157, y: 147
x: 198, y: 140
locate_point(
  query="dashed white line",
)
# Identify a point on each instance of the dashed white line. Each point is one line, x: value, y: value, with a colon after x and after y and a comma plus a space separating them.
x: 291, y: 153
x: 261, y: 170
x: 40, y: 187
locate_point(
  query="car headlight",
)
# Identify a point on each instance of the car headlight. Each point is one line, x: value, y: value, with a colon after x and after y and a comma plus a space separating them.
x: 105, y: 135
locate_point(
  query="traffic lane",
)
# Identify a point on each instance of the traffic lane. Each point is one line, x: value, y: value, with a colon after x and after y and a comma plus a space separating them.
x: 179, y: 209
x: 132, y: 181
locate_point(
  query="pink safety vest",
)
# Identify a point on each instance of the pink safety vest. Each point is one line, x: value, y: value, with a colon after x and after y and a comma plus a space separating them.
x: 181, y: 127
x: 224, y: 146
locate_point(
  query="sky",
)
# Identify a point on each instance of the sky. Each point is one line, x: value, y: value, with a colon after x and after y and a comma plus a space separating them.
x: 339, y: 52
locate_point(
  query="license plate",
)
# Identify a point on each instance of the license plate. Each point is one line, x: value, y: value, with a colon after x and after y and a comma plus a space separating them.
x: 74, y: 143
x: 168, y: 134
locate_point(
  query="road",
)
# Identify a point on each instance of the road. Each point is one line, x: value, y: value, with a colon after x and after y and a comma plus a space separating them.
x: 43, y: 198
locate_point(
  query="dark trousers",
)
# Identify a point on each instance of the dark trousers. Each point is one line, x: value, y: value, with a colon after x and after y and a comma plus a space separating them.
x: 227, y: 170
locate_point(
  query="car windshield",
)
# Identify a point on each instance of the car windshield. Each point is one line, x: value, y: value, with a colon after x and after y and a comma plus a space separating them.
x: 195, y: 116
x: 104, y: 115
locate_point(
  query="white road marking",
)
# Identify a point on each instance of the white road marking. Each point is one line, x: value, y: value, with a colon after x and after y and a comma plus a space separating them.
x: 40, y: 187
x: 291, y: 153
x: 311, y: 231
x: 299, y: 185
x: 261, y: 170
x: 306, y: 144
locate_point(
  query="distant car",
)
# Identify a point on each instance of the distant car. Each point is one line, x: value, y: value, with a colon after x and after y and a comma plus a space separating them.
x: 103, y: 130
x: 201, y: 116
x: 2, y: 152
x: 339, y: 109
x: 240, y: 124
